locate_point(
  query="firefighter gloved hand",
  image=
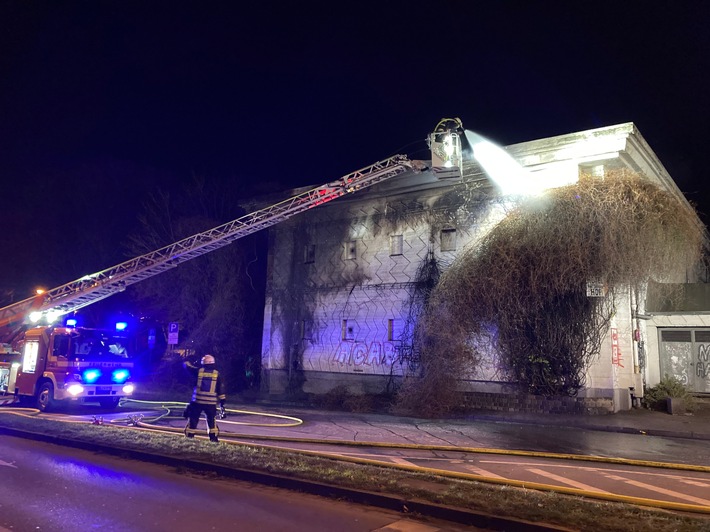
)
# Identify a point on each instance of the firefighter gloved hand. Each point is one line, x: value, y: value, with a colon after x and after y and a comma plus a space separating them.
x: 222, y: 412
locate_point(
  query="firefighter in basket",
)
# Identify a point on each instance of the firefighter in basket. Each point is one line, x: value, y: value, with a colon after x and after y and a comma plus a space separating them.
x: 209, y: 390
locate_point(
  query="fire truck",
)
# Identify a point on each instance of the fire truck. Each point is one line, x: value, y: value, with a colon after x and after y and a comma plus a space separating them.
x: 46, y: 364
x: 51, y: 364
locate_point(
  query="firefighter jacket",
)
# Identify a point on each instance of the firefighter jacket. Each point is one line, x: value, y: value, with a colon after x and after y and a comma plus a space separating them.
x: 209, y: 388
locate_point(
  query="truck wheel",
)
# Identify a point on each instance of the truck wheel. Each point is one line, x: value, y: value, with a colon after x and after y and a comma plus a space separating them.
x: 111, y: 402
x: 45, y: 397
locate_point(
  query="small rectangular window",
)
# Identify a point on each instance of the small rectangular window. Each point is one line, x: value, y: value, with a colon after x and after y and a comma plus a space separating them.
x: 396, y: 244
x: 393, y: 330
x: 448, y: 240
x: 309, y: 254
x: 350, y: 250
x: 305, y: 330
x: 347, y: 330
x: 598, y: 171
x: 670, y: 335
x: 60, y: 346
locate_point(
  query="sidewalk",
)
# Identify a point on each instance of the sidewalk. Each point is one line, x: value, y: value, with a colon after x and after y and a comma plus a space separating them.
x: 695, y: 425
x: 329, y: 424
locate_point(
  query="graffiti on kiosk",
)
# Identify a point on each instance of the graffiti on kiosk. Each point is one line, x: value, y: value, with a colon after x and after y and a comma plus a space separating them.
x: 364, y: 354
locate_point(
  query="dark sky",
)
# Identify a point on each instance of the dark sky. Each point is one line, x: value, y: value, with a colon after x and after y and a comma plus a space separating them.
x: 102, y: 101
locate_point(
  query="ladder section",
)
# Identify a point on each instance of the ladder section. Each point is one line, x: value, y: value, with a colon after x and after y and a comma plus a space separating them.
x: 97, y: 286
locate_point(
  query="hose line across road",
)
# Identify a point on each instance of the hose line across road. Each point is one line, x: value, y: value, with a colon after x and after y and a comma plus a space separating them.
x: 652, y: 483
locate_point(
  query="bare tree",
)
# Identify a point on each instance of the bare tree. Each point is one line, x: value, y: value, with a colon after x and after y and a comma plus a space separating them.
x: 215, y: 297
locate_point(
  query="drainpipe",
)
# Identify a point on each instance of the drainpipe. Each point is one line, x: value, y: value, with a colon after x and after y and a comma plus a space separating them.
x: 638, y: 307
x: 633, y: 303
x: 633, y: 300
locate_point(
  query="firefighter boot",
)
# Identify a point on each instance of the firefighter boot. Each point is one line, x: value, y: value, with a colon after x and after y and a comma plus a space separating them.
x: 214, y: 438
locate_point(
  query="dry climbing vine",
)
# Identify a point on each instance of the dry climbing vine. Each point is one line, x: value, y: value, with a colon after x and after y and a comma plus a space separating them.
x: 522, y: 288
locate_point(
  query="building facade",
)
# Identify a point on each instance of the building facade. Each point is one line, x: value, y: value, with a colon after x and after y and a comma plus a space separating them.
x: 342, y: 296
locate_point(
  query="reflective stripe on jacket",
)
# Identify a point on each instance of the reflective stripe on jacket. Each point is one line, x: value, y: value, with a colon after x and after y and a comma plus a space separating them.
x: 206, y: 389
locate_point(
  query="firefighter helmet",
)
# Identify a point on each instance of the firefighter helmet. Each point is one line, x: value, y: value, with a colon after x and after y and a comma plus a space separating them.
x: 207, y: 359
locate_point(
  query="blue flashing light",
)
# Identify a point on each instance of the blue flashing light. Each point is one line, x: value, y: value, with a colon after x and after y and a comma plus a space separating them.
x: 71, y: 322
x: 120, y: 376
x: 91, y: 375
x: 121, y: 325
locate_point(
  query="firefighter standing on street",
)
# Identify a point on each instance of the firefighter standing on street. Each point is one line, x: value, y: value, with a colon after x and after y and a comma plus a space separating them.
x: 208, y: 391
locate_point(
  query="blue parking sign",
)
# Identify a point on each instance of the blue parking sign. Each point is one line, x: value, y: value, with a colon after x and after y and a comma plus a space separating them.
x: 173, y: 332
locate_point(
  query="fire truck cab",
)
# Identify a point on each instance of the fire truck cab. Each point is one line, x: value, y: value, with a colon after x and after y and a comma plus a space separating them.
x: 48, y: 364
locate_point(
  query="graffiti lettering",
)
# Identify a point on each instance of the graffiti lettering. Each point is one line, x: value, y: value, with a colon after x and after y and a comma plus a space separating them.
x: 374, y: 356
x: 702, y: 368
x: 360, y: 353
x: 389, y: 353
x: 616, y: 358
x: 342, y: 355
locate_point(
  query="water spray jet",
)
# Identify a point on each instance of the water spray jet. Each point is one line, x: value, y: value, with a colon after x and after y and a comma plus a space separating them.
x: 510, y: 177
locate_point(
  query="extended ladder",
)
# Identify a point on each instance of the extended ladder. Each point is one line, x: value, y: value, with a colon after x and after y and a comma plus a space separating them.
x: 100, y: 285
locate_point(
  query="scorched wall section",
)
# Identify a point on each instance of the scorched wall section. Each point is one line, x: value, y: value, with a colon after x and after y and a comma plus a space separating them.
x: 342, y: 299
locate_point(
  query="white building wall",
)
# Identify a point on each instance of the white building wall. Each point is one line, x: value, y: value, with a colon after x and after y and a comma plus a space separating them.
x: 615, y: 372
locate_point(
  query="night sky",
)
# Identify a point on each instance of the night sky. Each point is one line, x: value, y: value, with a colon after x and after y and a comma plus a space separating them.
x: 102, y: 102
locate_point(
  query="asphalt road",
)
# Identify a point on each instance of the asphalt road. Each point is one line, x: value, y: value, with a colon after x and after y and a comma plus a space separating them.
x: 54, y: 488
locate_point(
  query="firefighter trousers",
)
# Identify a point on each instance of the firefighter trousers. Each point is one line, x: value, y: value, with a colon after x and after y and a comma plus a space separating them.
x: 194, y: 411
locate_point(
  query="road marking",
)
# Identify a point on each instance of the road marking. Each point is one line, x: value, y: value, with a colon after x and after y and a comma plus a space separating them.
x: 8, y: 464
x: 402, y: 461
x: 407, y: 525
x: 545, y: 464
x: 582, y: 467
x: 682, y: 496
x: 482, y: 472
x: 695, y: 483
x: 566, y: 481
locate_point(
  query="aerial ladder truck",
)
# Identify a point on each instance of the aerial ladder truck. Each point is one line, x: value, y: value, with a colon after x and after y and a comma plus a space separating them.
x: 44, y: 363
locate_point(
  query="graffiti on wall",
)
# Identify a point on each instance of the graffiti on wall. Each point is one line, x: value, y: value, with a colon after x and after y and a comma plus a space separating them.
x: 616, y: 358
x: 364, y: 354
x: 702, y: 368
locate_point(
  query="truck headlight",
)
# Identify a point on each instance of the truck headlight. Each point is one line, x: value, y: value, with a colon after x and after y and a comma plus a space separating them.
x: 128, y: 389
x: 75, y: 389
